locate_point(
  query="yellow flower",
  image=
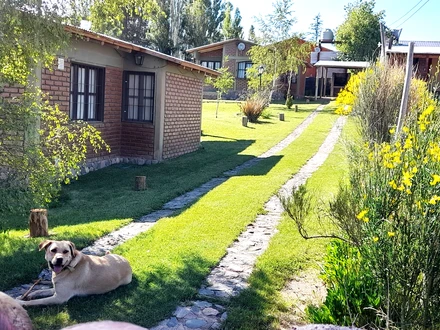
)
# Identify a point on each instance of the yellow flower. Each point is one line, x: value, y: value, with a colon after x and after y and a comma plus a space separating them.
x: 434, y: 199
x: 393, y: 130
x: 435, y: 179
x: 362, y: 214
x: 393, y: 184
x: 391, y: 234
x: 375, y: 239
x: 365, y: 219
x: 406, y: 180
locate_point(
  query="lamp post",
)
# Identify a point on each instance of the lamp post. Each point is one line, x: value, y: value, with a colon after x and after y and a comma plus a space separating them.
x: 260, y: 72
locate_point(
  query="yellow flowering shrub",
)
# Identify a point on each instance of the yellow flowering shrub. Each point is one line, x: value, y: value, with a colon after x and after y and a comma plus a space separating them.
x: 390, y: 208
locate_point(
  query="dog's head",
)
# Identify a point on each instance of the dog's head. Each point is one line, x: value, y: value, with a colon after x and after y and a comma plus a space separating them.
x: 59, y: 254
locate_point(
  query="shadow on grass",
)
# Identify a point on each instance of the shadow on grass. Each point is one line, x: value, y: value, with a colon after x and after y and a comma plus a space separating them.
x: 151, y: 297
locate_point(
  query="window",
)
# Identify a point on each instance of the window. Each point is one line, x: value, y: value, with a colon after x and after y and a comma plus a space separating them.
x: 215, y: 65
x: 86, y: 92
x: 138, y: 96
x: 242, y: 67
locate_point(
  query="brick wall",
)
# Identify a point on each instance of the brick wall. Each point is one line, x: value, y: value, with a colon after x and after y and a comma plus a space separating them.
x: 183, y: 110
x: 137, y: 140
x: 56, y: 83
x: 214, y: 54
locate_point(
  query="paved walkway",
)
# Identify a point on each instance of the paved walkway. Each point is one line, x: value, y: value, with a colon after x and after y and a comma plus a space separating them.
x: 229, y: 278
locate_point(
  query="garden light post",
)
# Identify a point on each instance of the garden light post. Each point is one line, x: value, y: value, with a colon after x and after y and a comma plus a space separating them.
x: 260, y: 72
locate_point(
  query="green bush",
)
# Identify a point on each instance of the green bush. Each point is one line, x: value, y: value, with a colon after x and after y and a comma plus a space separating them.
x: 353, y: 295
x: 289, y: 102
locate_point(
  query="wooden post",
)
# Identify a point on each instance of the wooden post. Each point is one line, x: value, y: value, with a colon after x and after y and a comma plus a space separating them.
x: 140, y: 183
x: 244, y: 121
x: 296, y: 106
x: 406, y: 86
x: 38, y: 225
x: 281, y: 115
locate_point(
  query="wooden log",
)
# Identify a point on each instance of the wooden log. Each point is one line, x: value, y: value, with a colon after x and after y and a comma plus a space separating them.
x: 38, y: 225
x: 281, y: 116
x: 140, y: 183
x: 244, y: 121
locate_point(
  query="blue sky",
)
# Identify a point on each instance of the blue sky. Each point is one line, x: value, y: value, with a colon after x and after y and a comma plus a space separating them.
x: 423, y: 25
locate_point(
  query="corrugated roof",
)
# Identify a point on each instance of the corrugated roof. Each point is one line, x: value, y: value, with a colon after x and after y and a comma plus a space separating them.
x: 129, y: 47
x: 420, y: 47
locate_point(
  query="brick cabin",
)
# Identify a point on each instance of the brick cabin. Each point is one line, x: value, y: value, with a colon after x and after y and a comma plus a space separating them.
x: 212, y: 56
x: 146, y: 113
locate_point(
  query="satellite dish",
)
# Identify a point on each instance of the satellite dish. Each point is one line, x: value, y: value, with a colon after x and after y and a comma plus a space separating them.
x: 317, y: 49
x: 241, y: 46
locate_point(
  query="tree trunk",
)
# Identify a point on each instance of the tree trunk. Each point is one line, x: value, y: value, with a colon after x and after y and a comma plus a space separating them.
x: 38, y: 225
x: 140, y: 183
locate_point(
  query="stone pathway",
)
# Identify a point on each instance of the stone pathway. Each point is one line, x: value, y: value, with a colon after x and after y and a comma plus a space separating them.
x: 117, y: 237
x: 230, y: 277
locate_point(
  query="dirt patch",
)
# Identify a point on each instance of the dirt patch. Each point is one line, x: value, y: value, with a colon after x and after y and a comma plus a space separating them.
x: 305, y: 289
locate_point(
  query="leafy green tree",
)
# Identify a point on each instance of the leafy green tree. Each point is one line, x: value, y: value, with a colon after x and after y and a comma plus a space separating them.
x: 227, y: 23
x: 222, y: 83
x: 231, y: 28
x: 39, y: 147
x: 357, y: 38
x: 202, y: 21
x: 125, y: 19
x: 316, y: 28
x: 251, y: 34
x: 236, y: 24
x: 281, y: 50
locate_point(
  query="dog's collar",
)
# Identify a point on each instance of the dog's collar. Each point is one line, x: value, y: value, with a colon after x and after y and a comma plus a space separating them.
x: 71, y: 266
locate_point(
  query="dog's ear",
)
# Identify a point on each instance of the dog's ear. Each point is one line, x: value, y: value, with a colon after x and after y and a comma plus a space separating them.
x: 44, y: 244
x: 72, y: 249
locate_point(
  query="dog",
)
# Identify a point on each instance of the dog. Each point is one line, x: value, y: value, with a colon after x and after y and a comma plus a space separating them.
x: 78, y: 274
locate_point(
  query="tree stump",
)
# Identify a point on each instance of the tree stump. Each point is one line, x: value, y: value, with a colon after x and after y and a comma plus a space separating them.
x: 281, y: 115
x: 140, y: 183
x: 38, y: 224
x: 244, y: 121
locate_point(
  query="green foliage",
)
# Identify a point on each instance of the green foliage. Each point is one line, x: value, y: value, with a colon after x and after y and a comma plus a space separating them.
x: 125, y: 19
x: 254, y: 105
x: 279, y: 58
x: 389, y: 209
x: 251, y: 35
x: 37, y: 162
x: 316, y: 28
x: 222, y: 83
x: 352, y: 292
x: 357, y: 38
x: 289, y: 102
x: 31, y: 32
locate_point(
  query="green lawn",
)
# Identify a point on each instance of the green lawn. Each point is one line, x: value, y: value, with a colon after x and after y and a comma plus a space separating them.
x: 171, y: 260
x: 261, y: 305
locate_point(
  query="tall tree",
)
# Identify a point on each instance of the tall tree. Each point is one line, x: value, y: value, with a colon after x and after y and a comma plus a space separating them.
x: 231, y: 27
x: 159, y: 32
x: 227, y: 29
x: 125, y: 19
x: 201, y: 23
x: 251, y: 34
x: 316, y: 28
x: 357, y: 37
x: 281, y: 50
x: 236, y: 25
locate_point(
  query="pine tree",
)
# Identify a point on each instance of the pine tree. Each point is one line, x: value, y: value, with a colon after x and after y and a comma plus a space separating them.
x: 316, y: 28
x: 251, y: 35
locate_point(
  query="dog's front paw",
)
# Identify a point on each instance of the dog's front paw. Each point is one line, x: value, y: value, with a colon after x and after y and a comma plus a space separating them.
x: 20, y: 301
